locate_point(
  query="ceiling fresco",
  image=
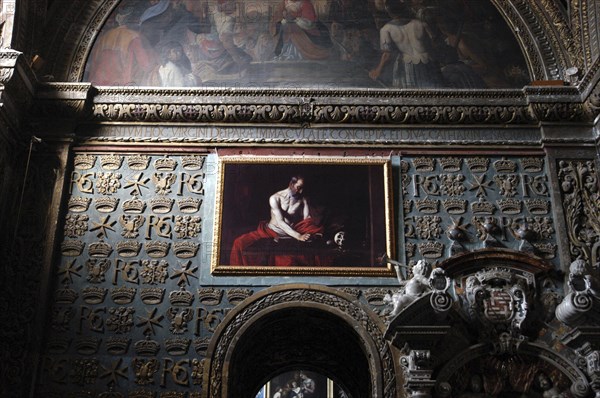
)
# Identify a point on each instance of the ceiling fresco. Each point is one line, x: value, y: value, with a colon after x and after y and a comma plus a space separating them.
x: 396, y: 44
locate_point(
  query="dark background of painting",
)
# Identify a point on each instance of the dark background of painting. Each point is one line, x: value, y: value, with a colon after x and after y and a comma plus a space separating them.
x: 353, y: 27
x: 338, y: 194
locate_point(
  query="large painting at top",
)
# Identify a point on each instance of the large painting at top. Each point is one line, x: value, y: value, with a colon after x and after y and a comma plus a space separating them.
x: 397, y: 44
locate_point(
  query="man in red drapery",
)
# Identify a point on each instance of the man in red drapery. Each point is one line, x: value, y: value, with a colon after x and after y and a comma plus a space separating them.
x: 290, y: 217
x: 122, y: 56
x: 300, y: 34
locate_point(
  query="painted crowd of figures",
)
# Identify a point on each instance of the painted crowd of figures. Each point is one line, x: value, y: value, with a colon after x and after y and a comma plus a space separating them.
x: 388, y: 43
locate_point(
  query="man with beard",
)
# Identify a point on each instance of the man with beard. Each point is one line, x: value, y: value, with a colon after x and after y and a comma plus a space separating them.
x: 290, y: 217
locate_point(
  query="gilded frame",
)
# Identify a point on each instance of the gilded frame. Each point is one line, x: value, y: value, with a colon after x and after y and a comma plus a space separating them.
x: 371, y: 179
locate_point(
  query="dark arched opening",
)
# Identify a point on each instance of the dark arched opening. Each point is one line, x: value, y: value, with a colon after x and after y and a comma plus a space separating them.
x: 299, y: 338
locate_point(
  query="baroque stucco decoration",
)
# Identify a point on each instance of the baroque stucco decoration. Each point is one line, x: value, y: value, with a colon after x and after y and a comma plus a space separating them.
x: 508, y: 302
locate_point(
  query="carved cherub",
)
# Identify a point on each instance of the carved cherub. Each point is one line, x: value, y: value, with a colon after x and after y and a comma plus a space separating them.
x: 414, y: 288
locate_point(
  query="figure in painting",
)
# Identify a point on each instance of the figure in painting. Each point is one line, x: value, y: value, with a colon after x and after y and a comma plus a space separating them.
x: 299, y: 33
x: 278, y: 392
x: 405, y: 39
x: 122, y: 56
x: 176, y: 70
x: 290, y: 217
x: 170, y: 21
x: 308, y: 386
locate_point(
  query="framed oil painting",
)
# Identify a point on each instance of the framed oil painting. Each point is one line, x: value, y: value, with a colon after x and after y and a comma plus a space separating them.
x: 317, y: 44
x: 323, y: 216
x: 301, y: 384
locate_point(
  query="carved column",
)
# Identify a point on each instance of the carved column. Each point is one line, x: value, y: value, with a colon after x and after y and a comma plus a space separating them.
x: 418, y: 368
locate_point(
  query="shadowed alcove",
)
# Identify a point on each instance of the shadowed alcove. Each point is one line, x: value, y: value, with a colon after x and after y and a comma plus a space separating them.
x: 299, y: 338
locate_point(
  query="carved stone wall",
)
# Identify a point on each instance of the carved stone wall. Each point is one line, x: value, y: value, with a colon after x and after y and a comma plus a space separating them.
x: 453, y: 204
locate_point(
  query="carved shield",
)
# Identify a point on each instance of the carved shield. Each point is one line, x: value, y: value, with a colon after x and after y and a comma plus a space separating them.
x: 498, y: 306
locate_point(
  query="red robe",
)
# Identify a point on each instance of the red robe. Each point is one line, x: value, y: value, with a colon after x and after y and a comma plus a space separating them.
x: 121, y: 57
x: 237, y: 257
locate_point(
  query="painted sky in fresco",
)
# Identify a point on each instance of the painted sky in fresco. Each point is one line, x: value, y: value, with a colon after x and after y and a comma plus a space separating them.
x: 396, y: 44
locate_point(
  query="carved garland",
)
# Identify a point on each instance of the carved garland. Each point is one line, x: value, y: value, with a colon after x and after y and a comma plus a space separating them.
x: 581, y: 202
x: 564, y: 40
x: 294, y: 296
x: 338, y: 114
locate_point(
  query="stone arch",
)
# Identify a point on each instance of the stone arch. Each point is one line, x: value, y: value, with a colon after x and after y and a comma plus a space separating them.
x: 324, y: 313
x: 75, y: 29
x: 579, y: 383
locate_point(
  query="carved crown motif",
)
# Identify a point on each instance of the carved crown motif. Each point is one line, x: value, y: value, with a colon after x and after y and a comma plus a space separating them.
x: 87, y: 345
x: 84, y: 162
x: 78, y: 204
x: 185, y: 249
x: 375, y: 295
x: 451, y: 163
x: 424, y: 164
x: 546, y: 250
x: 146, y: 348
x: 431, y: 249
x: 192, y: 162
x: 201, y: 345
x: 106, y: 204
x: 505, y: 166
x: 99, y: 249
x: 427, y: 206
x: 152, y: 295
x: 210, y: 295
x: 123, y: 295
x: 482, y: 207
x: 66, y: 295
x: 134, y: 206
x: 111, y: 162
x: 165, y: 164
x: 71, y: 248
x: 455, y: 206
x: 509, y: 206
x: 177, y: 346
x: 157, y: 248
x: 237, y: 295
x: 128, y: 248
x: 532, y: 164
x: 478, y: 165
x: 537, y: 206
x: 59, y: 344
x: 181, y: 298
x: 93, y: 294
x: 117, y: 345
x: 161, y: 204
x: 189, y: 205
x: 138, y: 162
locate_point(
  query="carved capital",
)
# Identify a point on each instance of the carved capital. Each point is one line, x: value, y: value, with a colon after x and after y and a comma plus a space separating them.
x: 64, y: 100
x: 17, y: 83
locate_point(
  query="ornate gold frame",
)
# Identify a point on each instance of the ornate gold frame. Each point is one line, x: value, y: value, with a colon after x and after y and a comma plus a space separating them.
x: 222, y: 269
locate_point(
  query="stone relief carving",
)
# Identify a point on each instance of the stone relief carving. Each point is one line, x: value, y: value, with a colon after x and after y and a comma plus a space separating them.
x: 581, y: 203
